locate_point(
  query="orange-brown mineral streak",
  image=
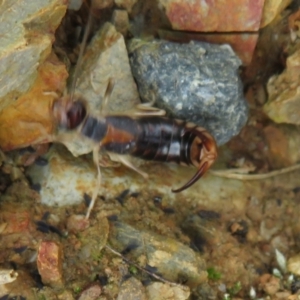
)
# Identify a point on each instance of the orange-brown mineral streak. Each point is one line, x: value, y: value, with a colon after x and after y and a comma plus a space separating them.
x: 29, y: 118
x: 115, y: 135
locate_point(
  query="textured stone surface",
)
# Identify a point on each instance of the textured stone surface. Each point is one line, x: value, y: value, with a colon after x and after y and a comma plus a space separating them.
x: 27, y: 74
x: 49, y: 263
x: 160, y: 290
x: 293, y: 264
x: 243, y: 44
x: 169, y: 257
x: 91, y: 293
x: 283, y: 93
x: 197, y: 82
x: 132, y: 289
x: 26, y: 35
x: 230, y: 15
x: 272, y: 9
x: 63, y: 180
x: 283, y: 144
x: 120, y: 20
x: 29, y: 118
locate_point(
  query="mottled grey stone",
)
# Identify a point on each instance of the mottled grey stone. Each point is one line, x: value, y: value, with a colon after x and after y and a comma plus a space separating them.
x: 197, y: 82
x: 168, y: 257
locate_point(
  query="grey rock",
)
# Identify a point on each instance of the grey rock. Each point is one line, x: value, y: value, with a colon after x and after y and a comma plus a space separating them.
x: 197, y: 82
x: 200, y: 231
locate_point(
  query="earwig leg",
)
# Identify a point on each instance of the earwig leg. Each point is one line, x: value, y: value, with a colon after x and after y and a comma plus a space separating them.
x: 147, y: 109
x: 62, y: 137
x: 108, y: 92
x: 97, y: 188
x: 125, y: 161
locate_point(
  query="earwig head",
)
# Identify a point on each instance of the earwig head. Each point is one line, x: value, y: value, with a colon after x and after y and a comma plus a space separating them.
x: 67, y: 113
x: 203, y: 153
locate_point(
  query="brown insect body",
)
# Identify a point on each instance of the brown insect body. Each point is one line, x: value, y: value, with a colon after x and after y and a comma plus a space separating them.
x: 148, y: 137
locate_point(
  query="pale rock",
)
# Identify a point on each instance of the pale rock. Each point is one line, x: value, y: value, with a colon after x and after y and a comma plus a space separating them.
x: 284, y: 93
x: 293, y: 265
x: 163, y: 291
x: 272, y: 8
x: 120, y: 20
x: 64, y: 180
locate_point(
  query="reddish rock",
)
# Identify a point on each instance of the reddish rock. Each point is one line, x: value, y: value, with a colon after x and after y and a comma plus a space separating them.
x: 49, y: 263
x: 224, y: 16
x: 16, y: 222
x: 269, y: 284
x: 283, y: 145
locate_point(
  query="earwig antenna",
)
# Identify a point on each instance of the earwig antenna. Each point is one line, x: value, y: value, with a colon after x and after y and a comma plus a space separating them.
x: 97, y: 188
x: 81, y: 51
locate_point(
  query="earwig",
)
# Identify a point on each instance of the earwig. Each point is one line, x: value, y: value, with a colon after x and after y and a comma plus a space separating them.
x: 146, y: 134
x: 147, y: 137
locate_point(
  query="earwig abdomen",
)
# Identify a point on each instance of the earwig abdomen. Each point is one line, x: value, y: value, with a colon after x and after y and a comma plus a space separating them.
x: 149, y: 138
x: 154, y: 138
